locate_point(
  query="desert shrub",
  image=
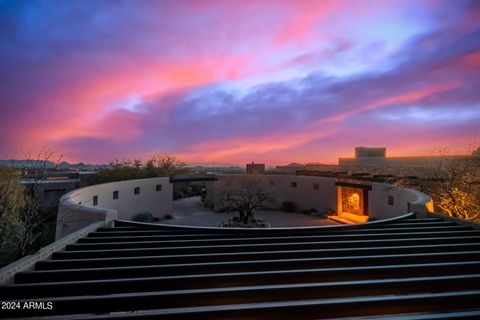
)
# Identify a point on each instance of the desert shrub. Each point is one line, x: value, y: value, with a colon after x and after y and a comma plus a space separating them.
x: 289, y: 206
x: 236, y: 222
x: 12, y: 224
x: 187, y: 190
x: 46, y: 233
x: 11, y: 234
x: 156, y: 166
x: 309, y: 211
x: 143, y: 217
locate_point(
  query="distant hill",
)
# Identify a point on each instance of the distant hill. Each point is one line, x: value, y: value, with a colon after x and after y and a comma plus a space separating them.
x: 87, y: 166
x: 295, y: 164
x: 315, y: 164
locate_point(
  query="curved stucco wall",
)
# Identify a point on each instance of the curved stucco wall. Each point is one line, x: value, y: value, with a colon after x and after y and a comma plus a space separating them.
x: 304, y: 195
x: 404, y: 200
x: 77, y: 209
x: 324, y: 197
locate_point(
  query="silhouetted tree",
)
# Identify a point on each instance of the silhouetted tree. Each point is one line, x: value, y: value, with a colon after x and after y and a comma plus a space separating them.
x: 165, y: 165
x: 22, y: 218
x: 476, y: 153
x: 33, y: 215
x: 121, y: 170
x: 156, y: 166
x: 12, y: 227
x: 245, y: 194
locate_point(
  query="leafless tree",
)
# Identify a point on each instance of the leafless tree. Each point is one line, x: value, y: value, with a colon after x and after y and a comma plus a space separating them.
x: 245, y: 194
x: 39, y: 166
x: 453, y: 184
x: 11, y: 202
x: 21, y: 216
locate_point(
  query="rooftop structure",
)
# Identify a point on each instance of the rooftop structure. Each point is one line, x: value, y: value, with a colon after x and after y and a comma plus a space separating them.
x: 364, y: 152
x: 255, y: 168
x: 54, y: 185
x: 376, y: 157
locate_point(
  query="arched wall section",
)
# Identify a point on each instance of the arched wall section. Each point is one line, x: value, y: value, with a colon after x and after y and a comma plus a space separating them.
x: 114, y: 200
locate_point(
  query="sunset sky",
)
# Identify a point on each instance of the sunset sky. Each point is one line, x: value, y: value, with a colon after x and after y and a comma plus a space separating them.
x: 238, y: 81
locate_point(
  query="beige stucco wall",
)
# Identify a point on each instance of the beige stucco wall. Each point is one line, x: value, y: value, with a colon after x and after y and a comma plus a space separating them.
x: 325, y: 198
x: 76, y: 208
x: 304, y: 196
x: 380, y: 209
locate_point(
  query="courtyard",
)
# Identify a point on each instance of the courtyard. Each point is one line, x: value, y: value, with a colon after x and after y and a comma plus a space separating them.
x: 191, y: 212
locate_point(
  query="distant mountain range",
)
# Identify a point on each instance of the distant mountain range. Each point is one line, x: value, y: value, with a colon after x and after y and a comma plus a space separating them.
x: 49, y: 164
x: 215, y: 165
x: 87, y: 166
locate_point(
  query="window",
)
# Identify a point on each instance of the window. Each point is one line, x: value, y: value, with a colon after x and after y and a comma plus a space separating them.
x: 293, y: 184
x: 316, y: 186
x: 158, y: 187
x: 409, y: 207
x: 95, y: 200
x: 115, y: 195
x: 136, y: 190
x: 390, y: 200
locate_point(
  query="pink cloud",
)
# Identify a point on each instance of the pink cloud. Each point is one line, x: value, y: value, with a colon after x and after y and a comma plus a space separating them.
x: 410, y: 97
x: 185, y: 64
x: 246, y: 148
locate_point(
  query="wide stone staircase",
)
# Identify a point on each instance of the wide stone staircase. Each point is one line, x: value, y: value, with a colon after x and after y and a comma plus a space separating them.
x: 403, y: 269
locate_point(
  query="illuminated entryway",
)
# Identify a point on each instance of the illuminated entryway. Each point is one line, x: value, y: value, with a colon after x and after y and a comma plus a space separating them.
x: 353, y: 201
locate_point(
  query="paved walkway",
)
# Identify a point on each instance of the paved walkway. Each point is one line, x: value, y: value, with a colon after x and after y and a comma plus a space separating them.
x: 191, y: 212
